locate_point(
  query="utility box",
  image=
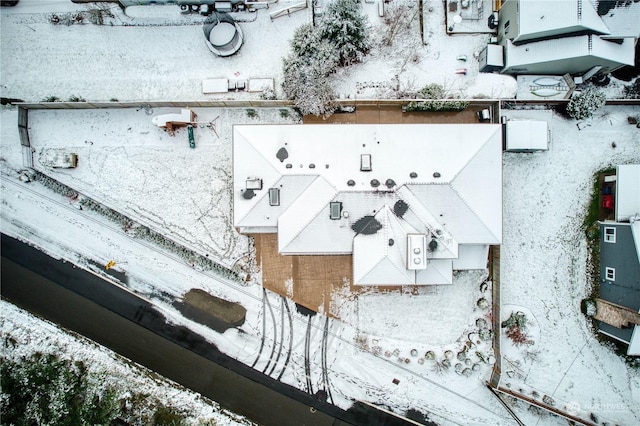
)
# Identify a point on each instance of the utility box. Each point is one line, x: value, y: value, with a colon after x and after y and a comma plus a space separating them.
x: 526, y: 135
x: 491, y: 58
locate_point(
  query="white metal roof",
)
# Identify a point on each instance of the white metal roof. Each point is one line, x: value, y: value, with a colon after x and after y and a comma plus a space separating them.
x: 449, y: 177
x: 569, y: 49
x: 542, y: 18
x: 380, y: 258
x: 627, y: 192
x: 439, y: 271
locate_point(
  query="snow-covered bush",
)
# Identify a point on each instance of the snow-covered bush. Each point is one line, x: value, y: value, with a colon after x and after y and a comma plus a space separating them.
x: 44, y: 389
x: 632, y: 91
x: 584, y: 104
x: 306, y: 80
x: 432, y: 91
x: 589, y: 307
x: 435, y: 106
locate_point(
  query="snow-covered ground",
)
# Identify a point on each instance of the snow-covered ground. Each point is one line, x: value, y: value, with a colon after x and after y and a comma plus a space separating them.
x: 130, y: 165
x: 357, y: 369
x: 29, y: 334
x: 136, y: 59
x: 543, y: 262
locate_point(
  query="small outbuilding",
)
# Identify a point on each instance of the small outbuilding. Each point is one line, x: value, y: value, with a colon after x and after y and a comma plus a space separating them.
x: 526, y: 135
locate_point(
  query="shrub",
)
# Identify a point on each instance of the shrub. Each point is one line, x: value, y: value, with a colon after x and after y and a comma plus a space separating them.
x: 432, y: 91
x: 51, y: 99
x: 584, y: 104
x: 268, y: 94
x: 76, y: 99
x: 518, y: 337
x: 633, y: 90
x: 436, y: 106
x: 252, y: 113
x: 588, y: 307
x: 517, y: 319
x: 43, y: 389
x: 165, y: 416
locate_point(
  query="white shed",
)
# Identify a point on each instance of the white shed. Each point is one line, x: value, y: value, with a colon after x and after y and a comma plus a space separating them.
x: 526, y: 135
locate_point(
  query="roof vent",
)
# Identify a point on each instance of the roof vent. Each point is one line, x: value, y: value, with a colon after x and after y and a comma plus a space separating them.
x: 400, y: 208
x: 433, y: 244
x: 436, y: 175
x: 289, y: 165
x: 312, y: 166
x: 282, y: 154
x: 375, y: 183
x: 390, y: 183
x: 391, y: 242
x: 351, y: 182
x: 366, y: 225
x: 248, y: 194
x: 413, y: 175
x: 254, y: 183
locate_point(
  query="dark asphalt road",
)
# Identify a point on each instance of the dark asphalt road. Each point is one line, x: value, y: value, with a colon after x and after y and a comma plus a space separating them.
x: 84, y: 303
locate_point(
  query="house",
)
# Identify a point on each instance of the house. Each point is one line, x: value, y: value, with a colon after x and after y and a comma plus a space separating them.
x: 410, y: 203
x: 619, y: 302
x: 570, y: 36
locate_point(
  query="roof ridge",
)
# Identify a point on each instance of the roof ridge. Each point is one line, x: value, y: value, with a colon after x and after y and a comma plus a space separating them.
x: 308, y: 222
x: 464, y: 201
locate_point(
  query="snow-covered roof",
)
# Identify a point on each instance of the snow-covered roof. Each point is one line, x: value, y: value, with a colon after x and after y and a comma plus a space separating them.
x: 572, y: 55
x: 380, y: 258
x: 527, y: 135
x: 541, y: 18
x: 622, y: 20
x: 443, y: 181
x: 627, y: 192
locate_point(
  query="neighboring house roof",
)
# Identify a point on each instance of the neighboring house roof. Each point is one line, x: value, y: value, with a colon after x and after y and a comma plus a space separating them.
x: 541, y: 19
x: 627, y: 192
x: 623, y: 19
x: 623, y: 256
x: 448, y: 177
x: 573, y: 55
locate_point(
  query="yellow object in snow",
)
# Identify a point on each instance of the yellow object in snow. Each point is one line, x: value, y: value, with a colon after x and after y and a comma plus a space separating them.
x: 110, y: 264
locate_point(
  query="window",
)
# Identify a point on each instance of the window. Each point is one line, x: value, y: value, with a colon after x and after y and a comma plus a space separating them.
x: 610, y: 273
x: 609, y: 234
x: 506, y: 27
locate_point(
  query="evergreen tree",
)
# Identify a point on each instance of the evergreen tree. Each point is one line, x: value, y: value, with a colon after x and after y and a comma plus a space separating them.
x: 583, y: 105
x: 347, y: 29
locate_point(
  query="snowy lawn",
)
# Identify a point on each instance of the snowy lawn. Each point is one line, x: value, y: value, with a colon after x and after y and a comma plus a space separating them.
x: 138, y: 169
x: 544, y: 260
